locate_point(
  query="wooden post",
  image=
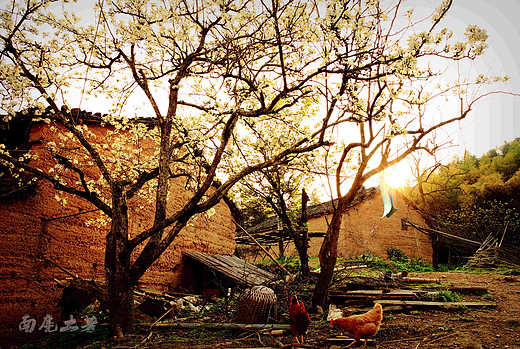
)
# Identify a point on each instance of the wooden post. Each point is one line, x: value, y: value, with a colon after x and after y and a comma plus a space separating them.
x: 418, y: 245
x: 280, y: 248
x: 435, y: 250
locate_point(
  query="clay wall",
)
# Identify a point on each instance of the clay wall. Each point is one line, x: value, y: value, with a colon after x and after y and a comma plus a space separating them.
x: 38, y: 228
x: 364, y: 231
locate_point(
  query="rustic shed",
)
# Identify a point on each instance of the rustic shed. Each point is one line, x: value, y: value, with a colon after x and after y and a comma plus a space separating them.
x: 36, y: 228
x: 232, y: 267
x: 363, y: 229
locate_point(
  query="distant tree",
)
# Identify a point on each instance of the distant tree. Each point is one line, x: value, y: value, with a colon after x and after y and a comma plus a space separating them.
x: 474, y: 197
x: 490, y: 218
x: 281, y: 191
x: 438, y: 188
x: 254, y: 209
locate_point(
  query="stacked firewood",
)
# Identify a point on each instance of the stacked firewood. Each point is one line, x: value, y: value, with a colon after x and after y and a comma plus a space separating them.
x: 495, y: 257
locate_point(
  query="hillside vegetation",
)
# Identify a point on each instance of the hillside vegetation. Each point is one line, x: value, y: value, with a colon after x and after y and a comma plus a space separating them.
x: 474, y: 196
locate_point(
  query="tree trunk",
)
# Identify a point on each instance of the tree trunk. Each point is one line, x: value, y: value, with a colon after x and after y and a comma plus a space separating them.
x: 120, y: 288
x: 302, y: 242
x: 329, y: 248
x: 328, y: 255
x: 120, y: 299
x: 302, y: 248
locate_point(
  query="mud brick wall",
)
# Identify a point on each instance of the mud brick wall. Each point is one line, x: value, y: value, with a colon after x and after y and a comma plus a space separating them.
x: 364, y: 231
x: 37, y: 227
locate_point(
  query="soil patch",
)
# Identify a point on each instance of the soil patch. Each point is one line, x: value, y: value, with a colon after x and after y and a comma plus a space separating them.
x: 460, y: 328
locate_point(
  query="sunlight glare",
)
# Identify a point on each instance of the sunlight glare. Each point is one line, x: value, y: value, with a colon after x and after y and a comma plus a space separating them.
x: 398, y: 175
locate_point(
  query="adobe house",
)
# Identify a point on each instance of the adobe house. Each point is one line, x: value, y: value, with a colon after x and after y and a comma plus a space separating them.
x: 39, y: 233
x: 362, y: 231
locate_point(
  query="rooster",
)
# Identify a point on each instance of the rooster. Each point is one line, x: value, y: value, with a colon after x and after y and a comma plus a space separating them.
x: 300, y: 319
x: 361, y: 326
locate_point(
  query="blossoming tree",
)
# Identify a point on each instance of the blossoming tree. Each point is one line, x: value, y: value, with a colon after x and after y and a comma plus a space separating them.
x: 210, y: 73
x: 218, y: 78
x: 388, y: 70
x: 385, y: 69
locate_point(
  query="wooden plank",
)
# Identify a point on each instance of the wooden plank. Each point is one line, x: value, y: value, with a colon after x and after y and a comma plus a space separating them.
x: 404, y: 279
x: 347, y: 340
x: 366, y: 299
x: 436, y: 304
x: 421, y: 280
x: 397, y: 292
x: 460, y: 288
x: 387, y: 309
x: 370, y: 295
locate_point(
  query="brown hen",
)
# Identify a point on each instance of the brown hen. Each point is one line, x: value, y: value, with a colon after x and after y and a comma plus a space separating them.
x: 361, y: 326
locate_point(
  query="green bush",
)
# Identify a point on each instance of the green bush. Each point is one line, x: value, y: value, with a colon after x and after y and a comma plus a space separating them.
x: 400, y: 261
x: 446, y: 296
x: 395, y: 254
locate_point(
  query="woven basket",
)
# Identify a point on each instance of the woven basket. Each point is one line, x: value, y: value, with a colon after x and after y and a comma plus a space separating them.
x: 255, y: 305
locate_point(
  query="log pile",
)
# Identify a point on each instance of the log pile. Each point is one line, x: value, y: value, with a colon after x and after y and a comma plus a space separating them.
x: 493, y: 254
x: 400, y: 293
x: 400, y: 299
x: 489, y: 254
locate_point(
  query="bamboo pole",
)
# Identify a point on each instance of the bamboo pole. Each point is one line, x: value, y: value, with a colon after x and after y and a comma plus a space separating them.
x: 503, y: 234
x: 389, y: 302
x: 262, y: 247
x: 75, y: 276
x: 426, y: 231
x: 215, y: 326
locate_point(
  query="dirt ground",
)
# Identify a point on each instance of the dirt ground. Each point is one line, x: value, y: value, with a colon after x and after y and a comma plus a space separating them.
x: 470, y: 328
x: 473, y: 328
x: 482, y: 328
x: 465, y: 328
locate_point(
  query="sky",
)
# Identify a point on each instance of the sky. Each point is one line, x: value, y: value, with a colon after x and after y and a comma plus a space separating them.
x: 496, y: 119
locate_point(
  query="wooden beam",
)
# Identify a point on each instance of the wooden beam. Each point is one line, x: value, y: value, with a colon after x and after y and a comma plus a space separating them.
x: 461, y: 288
x: 347, y: 340
x: 436, y: 304
x: 429, y: 231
